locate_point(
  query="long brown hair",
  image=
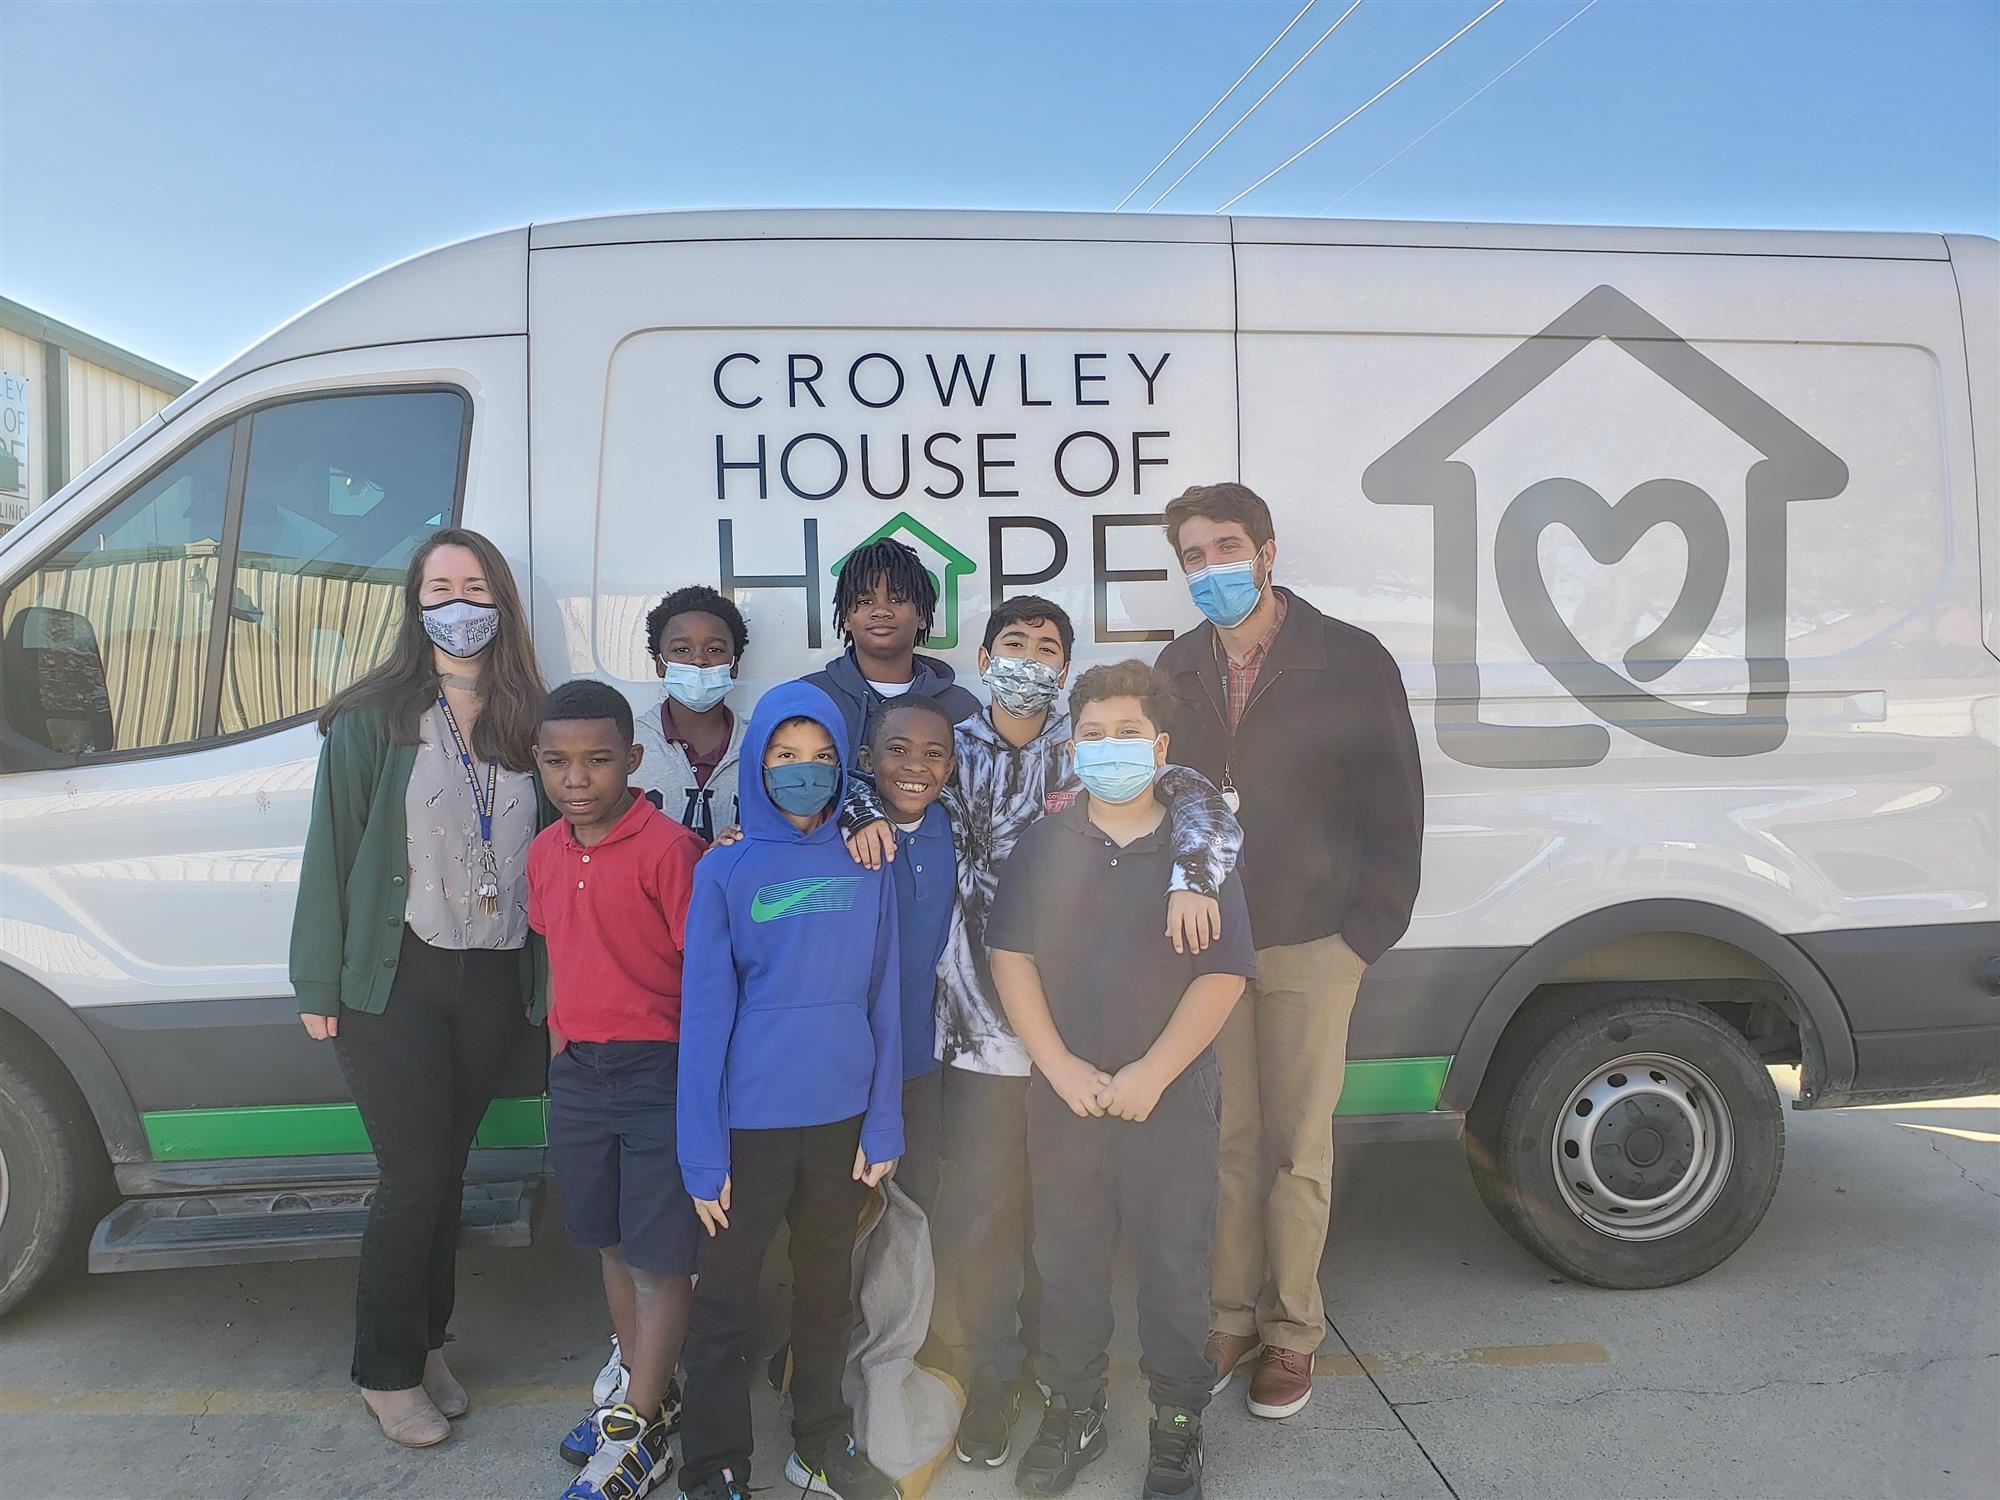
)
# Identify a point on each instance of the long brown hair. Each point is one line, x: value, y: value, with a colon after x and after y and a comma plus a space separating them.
x: 510, y: 684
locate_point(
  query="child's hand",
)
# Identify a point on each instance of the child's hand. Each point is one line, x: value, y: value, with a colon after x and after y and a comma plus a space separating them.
x: 1134, y: 1093
x: 714, y: 1212
x: 321, y: 1028
x: 873, y: 844
x: 1193, y: 921
x: 1078, y: 1084
x: 733, y: 834
x: 869, y: 1173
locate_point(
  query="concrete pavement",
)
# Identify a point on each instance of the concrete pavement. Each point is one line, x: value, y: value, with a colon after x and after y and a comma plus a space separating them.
x: 1852, y: 1348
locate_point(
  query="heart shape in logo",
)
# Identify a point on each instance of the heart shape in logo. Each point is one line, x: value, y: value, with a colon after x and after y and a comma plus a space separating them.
x: 1609, y: 532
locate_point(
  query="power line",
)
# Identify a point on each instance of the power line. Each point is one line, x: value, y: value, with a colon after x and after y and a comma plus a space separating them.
x: 1253, y: 108
x: 1574, y: 18
x: 1215, y: 106
x: 1352, y: 113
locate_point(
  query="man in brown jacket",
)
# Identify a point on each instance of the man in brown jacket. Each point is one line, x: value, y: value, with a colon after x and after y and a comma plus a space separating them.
x: 1303, y: 722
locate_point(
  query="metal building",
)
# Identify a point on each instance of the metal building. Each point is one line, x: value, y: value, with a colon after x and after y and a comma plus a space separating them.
x: 66, y: 399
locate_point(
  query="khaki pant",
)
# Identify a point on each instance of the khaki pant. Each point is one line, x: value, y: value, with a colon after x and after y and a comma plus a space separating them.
x: 1283, y: 1053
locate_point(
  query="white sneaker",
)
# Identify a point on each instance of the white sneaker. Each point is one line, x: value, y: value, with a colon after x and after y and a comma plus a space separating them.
x: 613, y: 1380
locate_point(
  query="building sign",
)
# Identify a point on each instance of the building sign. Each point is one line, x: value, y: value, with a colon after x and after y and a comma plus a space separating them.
x: 13, y: 447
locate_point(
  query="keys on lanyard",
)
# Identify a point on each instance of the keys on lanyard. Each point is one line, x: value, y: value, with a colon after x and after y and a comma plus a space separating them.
x: 488, y: 889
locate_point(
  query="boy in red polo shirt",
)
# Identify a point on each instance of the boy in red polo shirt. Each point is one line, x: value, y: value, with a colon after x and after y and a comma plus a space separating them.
x: 608, y: 886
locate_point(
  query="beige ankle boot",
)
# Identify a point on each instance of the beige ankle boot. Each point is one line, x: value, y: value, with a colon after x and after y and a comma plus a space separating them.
x: 442, y: 1386
x: 408, y: 1417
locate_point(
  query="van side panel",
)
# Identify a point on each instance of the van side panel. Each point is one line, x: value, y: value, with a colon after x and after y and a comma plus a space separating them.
x: 1678, y: 556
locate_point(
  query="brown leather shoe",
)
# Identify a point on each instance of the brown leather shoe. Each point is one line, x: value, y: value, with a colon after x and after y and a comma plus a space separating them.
x: 1282, y: 1383
x: 1226, y: 1351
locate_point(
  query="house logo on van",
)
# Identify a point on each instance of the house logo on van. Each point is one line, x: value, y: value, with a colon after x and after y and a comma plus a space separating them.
x: 1420, y: 470
x: 944, y: 562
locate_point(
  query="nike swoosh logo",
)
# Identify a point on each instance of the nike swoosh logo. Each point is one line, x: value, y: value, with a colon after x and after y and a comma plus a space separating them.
x: 769, y: 911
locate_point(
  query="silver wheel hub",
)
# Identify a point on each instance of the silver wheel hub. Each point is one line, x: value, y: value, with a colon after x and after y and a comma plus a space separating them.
x: 1642, y: 1147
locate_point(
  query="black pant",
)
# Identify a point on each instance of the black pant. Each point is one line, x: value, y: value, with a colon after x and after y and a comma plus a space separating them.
x: 1157, y: 1181
x: 805, y: 1178
x: 917, y: 1168
x: 422, y: 1073
x: 982, y: 1229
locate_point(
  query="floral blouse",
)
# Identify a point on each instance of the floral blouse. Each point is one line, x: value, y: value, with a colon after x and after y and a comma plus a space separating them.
x: 445, y: 847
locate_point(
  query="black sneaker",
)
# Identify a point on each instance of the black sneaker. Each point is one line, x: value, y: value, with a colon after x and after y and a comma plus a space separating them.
x: 723, y: 1486
x: 1173, y: 1463
x: 1065, y: 1442
x: 842, y: 1473
x: 986, y: 1431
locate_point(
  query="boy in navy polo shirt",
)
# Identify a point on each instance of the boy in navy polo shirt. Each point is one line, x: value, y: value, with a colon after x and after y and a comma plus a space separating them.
x: 609, y: 887
x: 1123, y: 1107
x: 910, y: 756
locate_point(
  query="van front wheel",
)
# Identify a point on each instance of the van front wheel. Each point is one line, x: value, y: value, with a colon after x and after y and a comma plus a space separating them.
x: 1637, y: 1147
x: 47, y: 1173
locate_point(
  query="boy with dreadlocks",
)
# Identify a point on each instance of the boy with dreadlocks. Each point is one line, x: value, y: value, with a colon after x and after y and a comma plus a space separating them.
x: 884, y: 602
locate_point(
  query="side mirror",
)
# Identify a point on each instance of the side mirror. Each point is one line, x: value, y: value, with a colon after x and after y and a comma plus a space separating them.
x: 52, y: 690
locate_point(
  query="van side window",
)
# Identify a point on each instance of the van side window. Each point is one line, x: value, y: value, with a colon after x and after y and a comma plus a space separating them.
x: 135, y: 588
x: 148, y: 630
x: 338, y: 494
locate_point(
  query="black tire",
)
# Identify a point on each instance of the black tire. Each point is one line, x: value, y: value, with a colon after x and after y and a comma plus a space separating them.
x: 1669, y: 1163
x: 51, y: 1166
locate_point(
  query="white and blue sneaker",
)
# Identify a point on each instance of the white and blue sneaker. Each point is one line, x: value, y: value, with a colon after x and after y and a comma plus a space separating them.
x: 609, y: 1387
x: 632, y: 1458
x: 581, y: 1441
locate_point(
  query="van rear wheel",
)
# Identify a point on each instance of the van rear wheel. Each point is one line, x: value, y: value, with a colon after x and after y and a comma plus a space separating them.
x: 48, y: 1171
x: 1637, y: 1146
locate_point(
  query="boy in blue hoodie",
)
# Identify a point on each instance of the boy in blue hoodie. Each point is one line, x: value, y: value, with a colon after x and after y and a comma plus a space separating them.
x: 790, y: 1095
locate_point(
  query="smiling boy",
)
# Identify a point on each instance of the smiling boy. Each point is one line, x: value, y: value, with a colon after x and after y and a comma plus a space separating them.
x: 609, y: 887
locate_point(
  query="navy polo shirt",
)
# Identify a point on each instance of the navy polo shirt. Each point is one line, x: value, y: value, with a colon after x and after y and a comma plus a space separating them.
x: 926, y: 879
x: 1093, y: 916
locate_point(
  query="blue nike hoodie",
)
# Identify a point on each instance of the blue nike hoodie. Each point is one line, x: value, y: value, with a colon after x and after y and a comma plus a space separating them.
x: 790, y: 1000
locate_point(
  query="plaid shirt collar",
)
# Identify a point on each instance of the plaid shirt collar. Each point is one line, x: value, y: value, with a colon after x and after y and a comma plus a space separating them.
x: 1240, y: 677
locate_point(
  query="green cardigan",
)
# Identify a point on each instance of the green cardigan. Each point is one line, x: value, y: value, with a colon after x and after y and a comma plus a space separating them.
x: 347, y: 930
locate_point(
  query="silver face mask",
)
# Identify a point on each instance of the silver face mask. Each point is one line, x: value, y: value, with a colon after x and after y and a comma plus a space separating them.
x: 1021, y: 688
x: 460, y: 628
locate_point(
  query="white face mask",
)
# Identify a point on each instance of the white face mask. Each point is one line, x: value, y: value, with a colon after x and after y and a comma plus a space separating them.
x: 461, y: 628
x: 698, y: 688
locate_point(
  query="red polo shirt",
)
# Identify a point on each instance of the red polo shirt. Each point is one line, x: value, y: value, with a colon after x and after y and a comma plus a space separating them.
x: 615, y: 915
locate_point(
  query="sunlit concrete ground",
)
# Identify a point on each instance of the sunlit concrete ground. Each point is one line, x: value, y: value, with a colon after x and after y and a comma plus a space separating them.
x: 1852, y: 1348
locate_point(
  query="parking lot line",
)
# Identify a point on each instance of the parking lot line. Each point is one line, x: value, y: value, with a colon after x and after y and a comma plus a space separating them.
x: 188, y: 1402
x: 1478, y: 1356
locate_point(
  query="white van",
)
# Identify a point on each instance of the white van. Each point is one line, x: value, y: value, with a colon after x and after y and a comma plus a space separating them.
x: 1687, y: 543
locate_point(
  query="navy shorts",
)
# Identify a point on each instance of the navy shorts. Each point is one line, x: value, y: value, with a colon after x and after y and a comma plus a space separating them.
x: 616, y: 1158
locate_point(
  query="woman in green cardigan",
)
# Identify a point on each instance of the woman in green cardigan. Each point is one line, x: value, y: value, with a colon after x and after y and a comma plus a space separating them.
x: 410, y: 947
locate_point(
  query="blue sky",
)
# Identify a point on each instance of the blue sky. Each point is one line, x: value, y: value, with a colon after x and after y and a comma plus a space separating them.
x: 180, y: 178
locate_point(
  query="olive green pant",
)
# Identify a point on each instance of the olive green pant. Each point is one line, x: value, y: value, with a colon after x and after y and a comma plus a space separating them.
x: 1284, y: 1054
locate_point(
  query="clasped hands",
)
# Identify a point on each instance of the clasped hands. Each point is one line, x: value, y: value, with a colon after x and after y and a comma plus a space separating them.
x: 1131, y: 1093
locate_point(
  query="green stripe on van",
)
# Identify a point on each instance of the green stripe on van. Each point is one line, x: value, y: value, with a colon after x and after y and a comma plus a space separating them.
x: 310, y: 1130
x: 1374, y: 1086
x: 1392, y: 1085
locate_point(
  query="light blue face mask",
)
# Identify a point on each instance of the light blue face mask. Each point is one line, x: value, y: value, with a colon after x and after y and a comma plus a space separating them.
x: 1115, y: 770
x: 802, y: 788
x: 698, y: 688
x: 1227, y: 593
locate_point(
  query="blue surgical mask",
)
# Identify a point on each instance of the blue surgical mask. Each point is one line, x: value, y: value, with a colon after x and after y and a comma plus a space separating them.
x: 802, y: 788
x: 1227, y: 593
x: 1115, y: 770
x: 698, y: 688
